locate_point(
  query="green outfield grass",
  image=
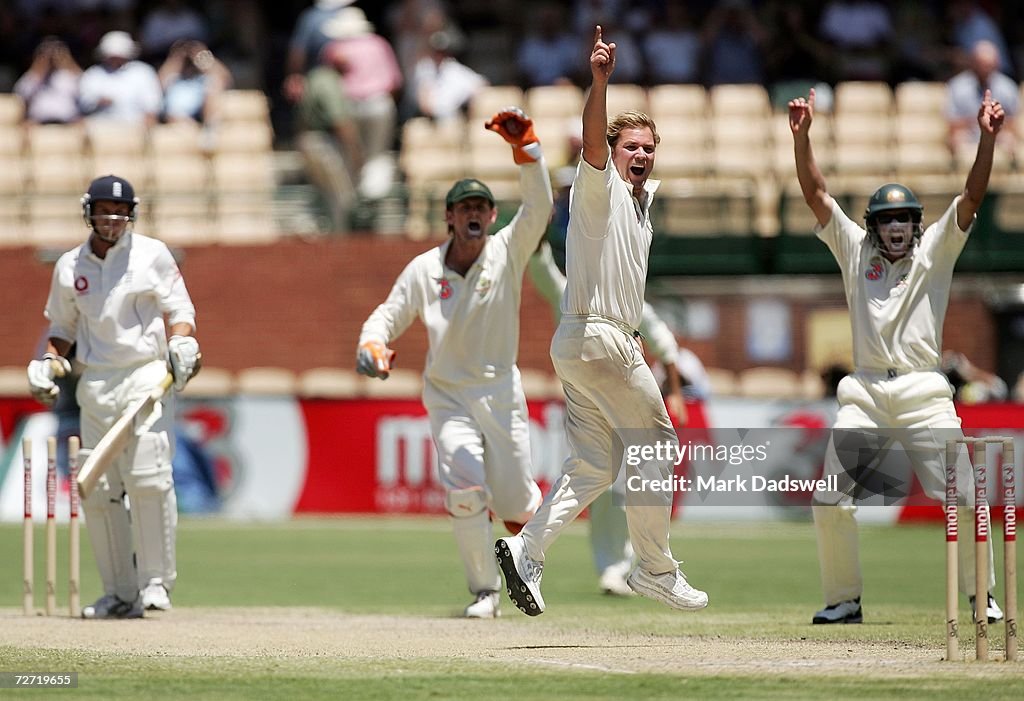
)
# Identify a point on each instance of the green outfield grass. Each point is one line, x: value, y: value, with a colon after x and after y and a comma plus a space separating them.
x: 762, y: 579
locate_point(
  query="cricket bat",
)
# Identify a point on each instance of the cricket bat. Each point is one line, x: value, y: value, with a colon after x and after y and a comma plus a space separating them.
x: 114, y: 440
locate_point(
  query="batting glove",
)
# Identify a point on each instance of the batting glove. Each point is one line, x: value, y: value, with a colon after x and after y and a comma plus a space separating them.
x: 517, y: 129
x: 374, y: 359
x: 185, y: 359
x: 41, y: 374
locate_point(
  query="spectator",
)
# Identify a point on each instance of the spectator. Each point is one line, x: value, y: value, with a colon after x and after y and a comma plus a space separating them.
x: 862, y: 33
x: 193, y: 80
x: 672, y: 49
x: 549, y: 54
x: 307, y: 44
x: 970, y: 24
x: 444, y: 87
x: 733, y: 40
x: 372, y: 79
x: 793, y: 54
x: 328, y: 140
x: 168, y: 23
x: 965, y: 92
x: 49, y: 87
x: 119, y: 87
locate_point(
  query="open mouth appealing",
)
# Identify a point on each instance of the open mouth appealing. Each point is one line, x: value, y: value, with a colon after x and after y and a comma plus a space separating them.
x: 474, y: 228
x: 637, y: 169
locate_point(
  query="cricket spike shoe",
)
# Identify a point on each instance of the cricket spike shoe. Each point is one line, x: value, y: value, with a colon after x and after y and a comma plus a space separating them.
x: 995, y: 614
x: 110, y: 607
x: 522, y: 575
x: 155, y: 596
x: 843, y: 612
x: 485, y: 606
x: 670, y: 588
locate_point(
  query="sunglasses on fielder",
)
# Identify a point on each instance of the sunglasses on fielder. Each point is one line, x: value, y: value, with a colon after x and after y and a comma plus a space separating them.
x: 893, y: 218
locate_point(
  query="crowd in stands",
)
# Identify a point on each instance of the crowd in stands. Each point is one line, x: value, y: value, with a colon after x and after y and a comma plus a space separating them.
x: 342, y: 76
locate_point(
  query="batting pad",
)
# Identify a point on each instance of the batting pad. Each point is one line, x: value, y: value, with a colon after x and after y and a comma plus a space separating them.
x: 150, y: 488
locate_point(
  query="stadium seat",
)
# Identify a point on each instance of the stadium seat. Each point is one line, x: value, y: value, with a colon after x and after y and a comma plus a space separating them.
x: 55, y: 140
x: 116, y: 138
x: 491, y: 98
x: 244, y: 106
x: 554, y: 101
x: 401, y: 384
x: 723, y: 382
x: 769, y: 383
x: 626, y: 96
x: 737, y: 100
x: 539, y: 385
x: 674, y: 101
x: 13, y: 382
x: 329, y: 383
x: 174, y: 139
x: 12, y: 140
x: 12, y: 109
x: 921, y: 97
x: 211, y: 382
x: 265, y: 381
x: 863, y: 97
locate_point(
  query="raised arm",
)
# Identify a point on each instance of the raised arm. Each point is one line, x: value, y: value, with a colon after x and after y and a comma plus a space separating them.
x: 812, y: 182
x: 595, y: 111
x: 990, y: 119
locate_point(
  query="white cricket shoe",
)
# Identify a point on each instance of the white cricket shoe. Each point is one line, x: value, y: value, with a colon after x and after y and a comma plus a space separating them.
x: 522, y: 575
x: 843, y: 612
x: 995, y: 614
x: 109, y: 606
x: 670, y: 588
x: 485, y: 606
x: 613, y: 582
x: 155, y: 596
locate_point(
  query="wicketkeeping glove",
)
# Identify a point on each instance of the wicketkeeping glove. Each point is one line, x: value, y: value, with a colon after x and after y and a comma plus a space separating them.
x: 41, y: 374
x: 517, y: 129
x: 185, y: 359
x: 374, y: 359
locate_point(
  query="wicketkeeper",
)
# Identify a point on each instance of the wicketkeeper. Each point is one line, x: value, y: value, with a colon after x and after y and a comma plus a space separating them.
x: 110, y: 296
x: 467, y: 294
x: 897, y: 277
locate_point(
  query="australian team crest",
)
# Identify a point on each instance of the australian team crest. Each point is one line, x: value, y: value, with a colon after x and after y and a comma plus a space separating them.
x: 483, y: 285
x: 446, y: 287
x: 874, y: 272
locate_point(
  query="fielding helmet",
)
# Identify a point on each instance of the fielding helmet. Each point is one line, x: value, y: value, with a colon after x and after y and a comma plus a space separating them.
x: 892, y: 196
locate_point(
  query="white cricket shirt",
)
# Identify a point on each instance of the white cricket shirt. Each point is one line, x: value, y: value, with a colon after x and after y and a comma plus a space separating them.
x: 607, y: 245
x: 473, y: 321
x: 896, y: 308
x: 114, y: 308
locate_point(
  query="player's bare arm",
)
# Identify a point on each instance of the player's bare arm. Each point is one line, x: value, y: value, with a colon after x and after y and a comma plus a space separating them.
x: 990, y: 119
x: 812, y: 182
x: 595, y: 111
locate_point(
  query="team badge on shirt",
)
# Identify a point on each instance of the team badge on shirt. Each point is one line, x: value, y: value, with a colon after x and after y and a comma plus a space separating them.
x: 446, y: 287
x: 82, y: 284
x: 874, y: 272
x: 483, y: 285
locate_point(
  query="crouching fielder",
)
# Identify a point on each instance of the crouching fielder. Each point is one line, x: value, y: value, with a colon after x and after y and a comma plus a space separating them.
x: 897, y: 277
x: 467, y: 294
x: 110, y: 296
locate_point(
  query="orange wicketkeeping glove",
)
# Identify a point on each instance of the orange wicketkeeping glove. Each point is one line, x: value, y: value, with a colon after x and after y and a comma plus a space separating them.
x: 374, y: 360
x: 517, y: 129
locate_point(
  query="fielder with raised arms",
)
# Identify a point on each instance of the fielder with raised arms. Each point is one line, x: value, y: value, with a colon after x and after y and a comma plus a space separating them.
x: 897, y: 277
x: 467, y: 293
x: 110, y: 296
x: 612, y: 399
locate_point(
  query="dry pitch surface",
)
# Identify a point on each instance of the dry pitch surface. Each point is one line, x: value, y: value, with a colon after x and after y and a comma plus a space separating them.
x: 255, y: 633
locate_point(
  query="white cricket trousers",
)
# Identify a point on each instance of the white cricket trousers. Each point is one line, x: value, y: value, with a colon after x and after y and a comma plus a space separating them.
x: 612, y: 401
x: 920, y: 405
x: 482, y: 436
